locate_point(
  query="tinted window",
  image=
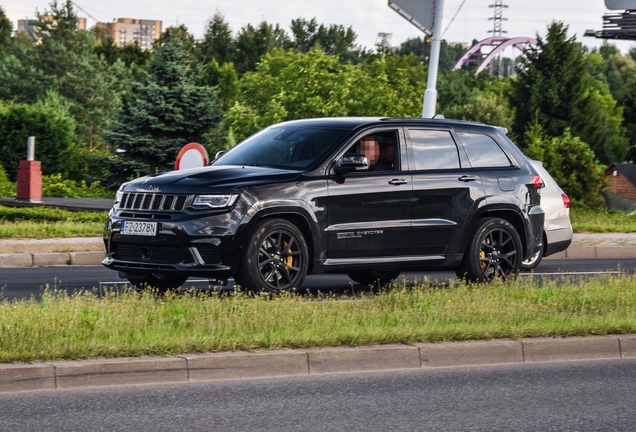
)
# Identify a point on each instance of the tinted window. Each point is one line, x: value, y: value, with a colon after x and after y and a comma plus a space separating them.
x: 483, y: 151
x: 292, y: 147
x: 433, y: 149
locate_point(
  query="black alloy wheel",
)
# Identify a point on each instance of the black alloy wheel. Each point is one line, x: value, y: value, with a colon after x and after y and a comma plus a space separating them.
x: 275, y: 259
x: 493, y: 252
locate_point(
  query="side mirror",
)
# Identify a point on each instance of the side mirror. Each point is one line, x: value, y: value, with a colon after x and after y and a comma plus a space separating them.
x: 217, y: 156
x: 350, y: 163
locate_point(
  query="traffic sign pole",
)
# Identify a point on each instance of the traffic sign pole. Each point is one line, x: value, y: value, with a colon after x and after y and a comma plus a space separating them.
x: 430, y: 94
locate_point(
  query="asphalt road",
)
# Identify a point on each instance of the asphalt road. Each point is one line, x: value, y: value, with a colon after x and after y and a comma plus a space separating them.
x: 20, y: 283
x: 572, y: 396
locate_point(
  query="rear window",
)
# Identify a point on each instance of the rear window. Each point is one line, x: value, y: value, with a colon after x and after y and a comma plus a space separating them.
x: 483, y: 151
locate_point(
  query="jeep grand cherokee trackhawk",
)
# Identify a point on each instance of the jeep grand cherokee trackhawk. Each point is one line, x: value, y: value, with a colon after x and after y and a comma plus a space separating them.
x: 369, y: 197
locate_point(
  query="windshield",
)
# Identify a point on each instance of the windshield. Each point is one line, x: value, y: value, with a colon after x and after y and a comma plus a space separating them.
x: 286, y: 147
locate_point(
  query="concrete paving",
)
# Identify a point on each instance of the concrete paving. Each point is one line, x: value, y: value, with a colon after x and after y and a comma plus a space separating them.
x: 240, y: 365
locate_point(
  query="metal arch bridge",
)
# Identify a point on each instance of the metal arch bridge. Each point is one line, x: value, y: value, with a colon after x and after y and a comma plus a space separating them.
x: 474, y: 55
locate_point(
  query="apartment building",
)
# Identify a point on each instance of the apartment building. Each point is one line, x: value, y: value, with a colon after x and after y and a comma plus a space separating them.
x: 128, y: 30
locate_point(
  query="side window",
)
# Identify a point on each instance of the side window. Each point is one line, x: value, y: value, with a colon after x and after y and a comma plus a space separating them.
x: 483, y: 151
x: 433, y: 149
x: 381, y: 150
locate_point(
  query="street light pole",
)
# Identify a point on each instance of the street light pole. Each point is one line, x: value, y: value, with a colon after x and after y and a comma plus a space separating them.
x: 430, y: 95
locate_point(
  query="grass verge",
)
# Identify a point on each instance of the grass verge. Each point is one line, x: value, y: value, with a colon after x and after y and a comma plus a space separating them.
x: 40, y: 223
x: 131, y: 324
x: 589, y: 221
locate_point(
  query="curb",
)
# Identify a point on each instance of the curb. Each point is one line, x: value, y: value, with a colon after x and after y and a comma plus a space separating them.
x: 241, y: 365
x: 596, y: 252
x: 51, y: 258
x: 26, y: 259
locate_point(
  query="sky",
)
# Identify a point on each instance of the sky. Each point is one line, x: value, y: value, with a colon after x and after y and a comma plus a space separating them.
x: 366, y: 17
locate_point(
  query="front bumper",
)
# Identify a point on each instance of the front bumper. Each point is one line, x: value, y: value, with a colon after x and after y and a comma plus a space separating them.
x: 196, y: 246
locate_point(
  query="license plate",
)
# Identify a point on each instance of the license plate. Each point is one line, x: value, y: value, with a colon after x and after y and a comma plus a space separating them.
x: 139, y: 228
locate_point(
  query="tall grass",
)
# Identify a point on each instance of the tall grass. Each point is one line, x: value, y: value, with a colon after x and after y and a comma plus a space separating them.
x: 40, y: 223
x: 86, y: 325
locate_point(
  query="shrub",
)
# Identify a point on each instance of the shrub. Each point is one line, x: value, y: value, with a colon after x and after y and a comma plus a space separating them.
x: 55, y: 186
x: 54, y: 131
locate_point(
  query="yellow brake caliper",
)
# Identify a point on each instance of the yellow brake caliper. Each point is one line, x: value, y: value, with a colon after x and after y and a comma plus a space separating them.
x: 289, y: 260
x: 483, y: 264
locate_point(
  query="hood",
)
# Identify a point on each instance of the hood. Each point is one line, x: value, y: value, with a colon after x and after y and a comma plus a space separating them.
x: 220, y: 179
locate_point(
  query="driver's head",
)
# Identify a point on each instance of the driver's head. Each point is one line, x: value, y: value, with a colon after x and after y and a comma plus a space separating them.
x: 370, y: 148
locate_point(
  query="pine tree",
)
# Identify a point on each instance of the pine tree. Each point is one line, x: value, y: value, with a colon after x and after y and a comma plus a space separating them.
x: 164, y: 111
x: 5, y: 32
x: 217, y: 42
x: 556, y: 90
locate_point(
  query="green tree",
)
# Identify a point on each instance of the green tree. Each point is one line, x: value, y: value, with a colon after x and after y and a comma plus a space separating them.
x: 6, y: 28
x: 224, y: 78
x: 167, y: 109
x: 132, y: 55
x: 52, y: 125
x: 571, y: 163
x: 217, y: 43
x: 291, y: 85
x: 491, y: 109
x: 333, y: 40
x: 63, y: 60
x: 555, y: 89
x: 252, y: 43
x: 448, y: 56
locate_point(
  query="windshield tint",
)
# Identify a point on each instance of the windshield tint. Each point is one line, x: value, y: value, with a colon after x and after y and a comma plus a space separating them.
x: 287, y: 147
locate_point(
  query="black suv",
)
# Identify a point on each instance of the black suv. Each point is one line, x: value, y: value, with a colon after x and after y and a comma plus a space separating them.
x: 369, y: 197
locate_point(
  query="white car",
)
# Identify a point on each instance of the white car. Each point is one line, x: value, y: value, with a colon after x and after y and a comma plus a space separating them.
x: 557, y: 229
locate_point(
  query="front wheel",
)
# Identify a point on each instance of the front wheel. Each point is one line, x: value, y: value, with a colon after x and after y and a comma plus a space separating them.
x: 494, y: 252
x: 275, y: 259
x: 160, y: 281
x: 371, y: 277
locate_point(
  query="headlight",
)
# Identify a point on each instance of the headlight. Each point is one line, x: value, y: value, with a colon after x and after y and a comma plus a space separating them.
x: 118, y: 196
x: 214, y: 201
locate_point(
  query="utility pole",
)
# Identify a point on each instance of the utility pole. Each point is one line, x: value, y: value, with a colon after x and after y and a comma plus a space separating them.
x: 497, y: 20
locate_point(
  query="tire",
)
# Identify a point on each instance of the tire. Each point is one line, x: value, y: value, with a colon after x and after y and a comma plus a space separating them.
x: 275, y: 259
x: 532, y: 262
x: 371, y: 277
x: 161, y: 281
x: 493, y: 252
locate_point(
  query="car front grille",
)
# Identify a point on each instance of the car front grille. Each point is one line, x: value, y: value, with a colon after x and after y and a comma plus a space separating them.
x: 153, y: 201
x: 162, y: 254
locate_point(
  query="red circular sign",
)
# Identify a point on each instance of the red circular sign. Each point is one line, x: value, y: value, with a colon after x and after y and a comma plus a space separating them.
x: 192, y: 155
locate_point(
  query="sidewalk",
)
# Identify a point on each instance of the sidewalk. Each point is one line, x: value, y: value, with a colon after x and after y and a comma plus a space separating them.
x: 90, y: 251
x: 55, y: 375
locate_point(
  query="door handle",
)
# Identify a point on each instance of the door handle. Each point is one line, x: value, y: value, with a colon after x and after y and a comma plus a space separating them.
x: 397, y: 182
x: 466, y: 178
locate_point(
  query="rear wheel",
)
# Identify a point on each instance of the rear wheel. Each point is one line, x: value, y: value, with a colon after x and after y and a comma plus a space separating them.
x: 159, y: 281
x: 493, y: 252
x: 275, y: 259
x: 370, y: 277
